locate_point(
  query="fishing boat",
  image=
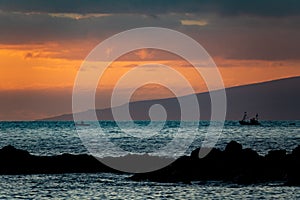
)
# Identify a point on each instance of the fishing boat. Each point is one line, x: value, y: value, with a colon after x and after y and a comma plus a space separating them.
x: 255, y: 122
x: 252, y: 121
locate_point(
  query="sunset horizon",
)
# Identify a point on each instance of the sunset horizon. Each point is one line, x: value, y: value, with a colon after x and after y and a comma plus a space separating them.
x: 42, y: 49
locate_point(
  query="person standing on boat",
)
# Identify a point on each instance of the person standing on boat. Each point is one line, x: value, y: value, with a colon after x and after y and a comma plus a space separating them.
x: 245, y: 116
x: 256, y: 116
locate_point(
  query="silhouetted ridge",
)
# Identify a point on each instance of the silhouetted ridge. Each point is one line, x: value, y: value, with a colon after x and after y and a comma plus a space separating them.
x: 274, y: 100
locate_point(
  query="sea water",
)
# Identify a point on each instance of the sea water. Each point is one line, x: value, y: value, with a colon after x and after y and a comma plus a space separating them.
x: 53, y: 138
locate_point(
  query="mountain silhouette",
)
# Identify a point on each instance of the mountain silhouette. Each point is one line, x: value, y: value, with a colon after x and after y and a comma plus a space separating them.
x: 273, y: 100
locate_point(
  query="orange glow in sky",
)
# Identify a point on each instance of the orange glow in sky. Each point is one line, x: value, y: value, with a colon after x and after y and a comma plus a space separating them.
x: 29, y: 71
x: 42, y: 48
x: 37, y: 68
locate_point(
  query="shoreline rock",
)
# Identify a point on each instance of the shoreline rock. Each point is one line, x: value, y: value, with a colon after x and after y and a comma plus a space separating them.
x: 234, y: 164
x: 15, y: 161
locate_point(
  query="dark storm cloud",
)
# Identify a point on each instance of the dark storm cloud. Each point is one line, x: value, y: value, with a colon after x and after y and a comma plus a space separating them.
x: 228, y: 7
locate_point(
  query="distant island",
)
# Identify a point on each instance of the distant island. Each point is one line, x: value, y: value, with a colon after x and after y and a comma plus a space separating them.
x: 274, y: 100
x: 234, y: 164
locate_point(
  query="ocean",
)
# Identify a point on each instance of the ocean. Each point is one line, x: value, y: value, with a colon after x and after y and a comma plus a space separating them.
x: 53, y: 138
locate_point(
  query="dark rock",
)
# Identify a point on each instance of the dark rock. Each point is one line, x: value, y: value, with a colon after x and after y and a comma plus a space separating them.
x: 234, y: 164
x: 296, y: 152
x: 15, y: 161
x: 293, y: 168
x: 250, y: 155
x: 195, y: 153
x: 233, y: 148
x: 10, y: 152
x: 276, y: 155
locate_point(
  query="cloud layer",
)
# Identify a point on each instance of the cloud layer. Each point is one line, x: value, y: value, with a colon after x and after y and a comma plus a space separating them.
x: 228, y: 7
x: 240, y: 37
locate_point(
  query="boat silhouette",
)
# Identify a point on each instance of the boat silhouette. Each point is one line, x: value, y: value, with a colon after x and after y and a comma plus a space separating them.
x: 252, y: 121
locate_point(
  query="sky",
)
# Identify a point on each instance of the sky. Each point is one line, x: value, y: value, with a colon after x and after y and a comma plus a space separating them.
x: 43, y: 44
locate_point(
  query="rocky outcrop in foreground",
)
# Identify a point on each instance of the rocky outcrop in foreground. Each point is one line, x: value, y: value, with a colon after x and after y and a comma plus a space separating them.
x: 15, y: 161
x: 234, y: 164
